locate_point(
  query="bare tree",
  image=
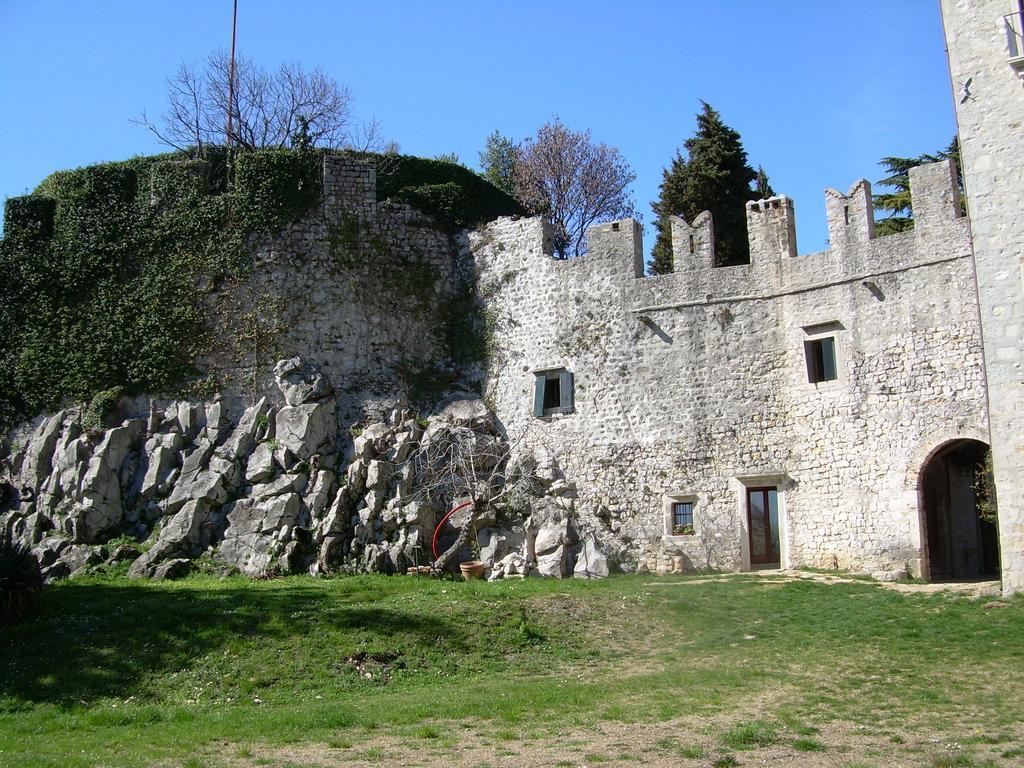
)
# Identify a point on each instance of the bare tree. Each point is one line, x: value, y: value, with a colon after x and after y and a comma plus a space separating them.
x: 458, y: 463
x: 269, y: 107
x: 563, y: 175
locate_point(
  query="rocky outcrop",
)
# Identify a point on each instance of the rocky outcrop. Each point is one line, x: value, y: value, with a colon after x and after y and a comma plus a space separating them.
x: 272, y: 490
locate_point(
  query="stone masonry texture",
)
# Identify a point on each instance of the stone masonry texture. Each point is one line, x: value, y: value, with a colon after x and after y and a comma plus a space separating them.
x: 694, y: 385
x: 989, y: 96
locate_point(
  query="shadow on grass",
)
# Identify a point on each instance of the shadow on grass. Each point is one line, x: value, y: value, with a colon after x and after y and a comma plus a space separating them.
x: 95, y: 640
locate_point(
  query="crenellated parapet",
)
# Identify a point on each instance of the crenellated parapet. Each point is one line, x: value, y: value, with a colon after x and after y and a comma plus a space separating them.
x: 615, y: 249
x: 771, y: 229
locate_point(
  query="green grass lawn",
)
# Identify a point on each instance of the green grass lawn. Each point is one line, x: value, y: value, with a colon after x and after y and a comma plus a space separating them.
x: 637, y: 670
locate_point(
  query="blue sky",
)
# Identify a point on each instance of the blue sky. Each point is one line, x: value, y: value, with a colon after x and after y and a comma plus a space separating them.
x: 819, y: 91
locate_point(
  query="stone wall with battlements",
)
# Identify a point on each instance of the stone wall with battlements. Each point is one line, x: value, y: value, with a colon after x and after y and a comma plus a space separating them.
x: 694, y: 385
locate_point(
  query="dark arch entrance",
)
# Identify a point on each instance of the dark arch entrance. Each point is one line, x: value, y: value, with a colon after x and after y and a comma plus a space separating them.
x: 958, y: 543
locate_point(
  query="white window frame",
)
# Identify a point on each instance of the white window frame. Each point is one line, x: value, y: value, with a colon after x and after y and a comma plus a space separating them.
x: 668, y: 517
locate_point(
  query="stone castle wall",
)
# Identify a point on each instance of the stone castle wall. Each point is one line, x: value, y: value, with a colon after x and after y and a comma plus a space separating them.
x: 694, y: 385
x: 986, y: 61
x: 353, y: 288
x: 690, y: 386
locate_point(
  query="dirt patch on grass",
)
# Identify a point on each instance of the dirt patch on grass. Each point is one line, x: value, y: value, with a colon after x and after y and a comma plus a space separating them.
x: 974, y: 589
x: 715, y: 742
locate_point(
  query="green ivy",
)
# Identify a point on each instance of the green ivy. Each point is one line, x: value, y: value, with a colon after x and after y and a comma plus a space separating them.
x: 456, y: 197
x: 101, y: 408
x: 105, y: 268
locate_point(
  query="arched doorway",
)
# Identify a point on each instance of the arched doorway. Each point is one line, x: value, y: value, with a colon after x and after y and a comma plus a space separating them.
x: 958, y: 542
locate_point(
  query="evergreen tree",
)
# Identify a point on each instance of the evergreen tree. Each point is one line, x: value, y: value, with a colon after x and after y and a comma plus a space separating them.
x: 716, y: 177
x: 897, y: 204
x: 670, y: 202
x: 498, y: 162
x: 763, y: 187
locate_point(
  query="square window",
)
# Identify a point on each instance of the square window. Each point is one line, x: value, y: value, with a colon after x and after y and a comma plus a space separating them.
x: 553, y: 392
x: 682, y: 518
x: 678, y: 510
x: 821, y: 359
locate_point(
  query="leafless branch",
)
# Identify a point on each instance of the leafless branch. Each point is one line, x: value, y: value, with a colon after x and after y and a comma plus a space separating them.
x: 265, y: 111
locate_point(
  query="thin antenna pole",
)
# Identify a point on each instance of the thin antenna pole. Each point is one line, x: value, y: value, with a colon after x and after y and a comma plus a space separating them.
x: 231, y: 71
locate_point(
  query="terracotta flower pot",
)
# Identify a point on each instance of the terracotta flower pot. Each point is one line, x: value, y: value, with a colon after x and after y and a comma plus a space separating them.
x: 472, y: 569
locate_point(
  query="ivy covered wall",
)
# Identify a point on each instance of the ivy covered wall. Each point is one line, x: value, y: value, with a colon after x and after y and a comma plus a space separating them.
x: 131, y: 277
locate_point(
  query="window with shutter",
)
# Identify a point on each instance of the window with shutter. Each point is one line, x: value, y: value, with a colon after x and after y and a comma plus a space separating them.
x: 821, y: 359
x: 553, y: 392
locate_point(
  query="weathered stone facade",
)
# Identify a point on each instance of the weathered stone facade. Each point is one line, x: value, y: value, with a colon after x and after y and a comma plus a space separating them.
x: 985, y: 41
x: 353, y: 286
x: 694, y: 386
x: 826, y: 383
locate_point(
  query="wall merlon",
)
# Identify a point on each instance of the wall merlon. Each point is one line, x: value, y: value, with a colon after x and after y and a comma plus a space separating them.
x: 618, y: 244
x: 851, y: 217
x: 693, y: 245
x: 348, y: 186
x: 935, y: 192
x: 771, y: 229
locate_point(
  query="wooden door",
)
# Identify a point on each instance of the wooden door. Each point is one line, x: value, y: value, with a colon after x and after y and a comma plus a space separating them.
x: 763, y: 525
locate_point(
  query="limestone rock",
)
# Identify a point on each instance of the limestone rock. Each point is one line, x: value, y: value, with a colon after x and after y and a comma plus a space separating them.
x: 552, y: 563
x: 188, y: 532
x: 591, y: 562
x: 78, y: 557
x: 419, y: 513
x: 176, y: 568
x: 402, y: 446
x: 465, y: 411
x: 257, y: 532
x: 496, y: 544
x: 70, y: 462
x: 261, y: 465
x: 328, y: 551
x: 483, y: 518
x: 293, y: 483
x: 101, y: 509
x: 307, y: 429
x: 377, y: 475
x: 206, y: 485
x: 123, y: 553
x: 197, y: 459
x: 300, y: 382
x: 337, y: 517
x: 355, y: 477
x: 512, y: 566
x: 190, y: 418
x: 38, y: 461
x: 321, y: 493
x: 217, y: 423
x: 160, y: 459
x: 242, y: 441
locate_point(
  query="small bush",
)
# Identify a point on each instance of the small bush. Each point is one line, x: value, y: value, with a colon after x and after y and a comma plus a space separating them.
x: 101, y: 408
x: 21, y: 581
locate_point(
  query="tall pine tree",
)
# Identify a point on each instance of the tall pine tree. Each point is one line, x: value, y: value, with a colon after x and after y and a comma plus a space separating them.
x: 714, y: 176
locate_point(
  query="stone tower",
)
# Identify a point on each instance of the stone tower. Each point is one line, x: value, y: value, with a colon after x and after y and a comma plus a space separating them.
x: 985, y: 42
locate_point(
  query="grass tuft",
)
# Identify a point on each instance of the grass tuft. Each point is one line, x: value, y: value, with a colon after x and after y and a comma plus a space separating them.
x: 751, y: 736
